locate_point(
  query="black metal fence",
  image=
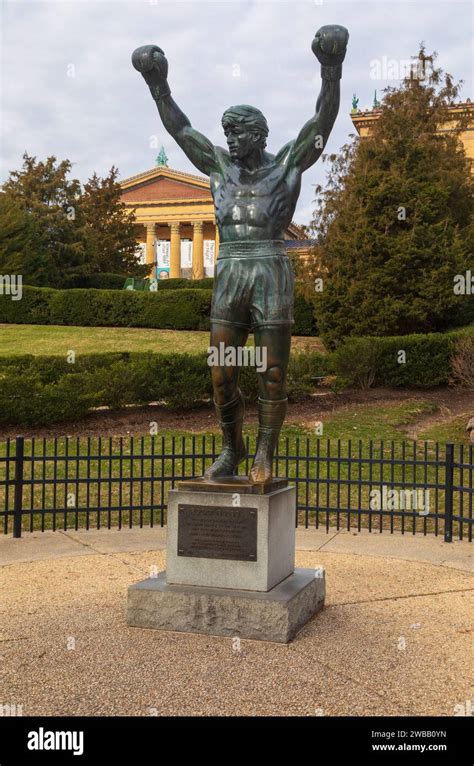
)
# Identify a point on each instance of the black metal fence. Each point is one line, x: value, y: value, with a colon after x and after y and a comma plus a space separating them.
x: 73, y: 482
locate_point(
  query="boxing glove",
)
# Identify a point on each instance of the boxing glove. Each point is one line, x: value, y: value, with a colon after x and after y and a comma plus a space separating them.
x: 329, y: 45
x: 151, y: 62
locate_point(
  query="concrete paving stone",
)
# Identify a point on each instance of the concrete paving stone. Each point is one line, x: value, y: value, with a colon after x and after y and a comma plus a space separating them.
x: 367, y: 578
x: 431, y: 549
x: 345, y: 662
x: 48, y: 545
x: 210, y: 678
x: 36, y: 546
x: 116, y: 540
x: 417, y: 650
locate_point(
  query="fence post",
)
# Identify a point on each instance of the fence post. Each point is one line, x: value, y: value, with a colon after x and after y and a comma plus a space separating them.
x: 448, y: 496
x: 18, y: 484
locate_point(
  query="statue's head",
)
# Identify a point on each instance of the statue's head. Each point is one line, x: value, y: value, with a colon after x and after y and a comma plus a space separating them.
x: 245, y: 128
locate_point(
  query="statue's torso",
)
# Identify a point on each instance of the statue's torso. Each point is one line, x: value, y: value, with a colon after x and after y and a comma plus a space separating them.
x: 255, y: 205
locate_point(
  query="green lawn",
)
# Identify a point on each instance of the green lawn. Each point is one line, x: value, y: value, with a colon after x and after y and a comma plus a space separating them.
x: 59, y: 340
x: 375, y: 421
x: 451, y: 431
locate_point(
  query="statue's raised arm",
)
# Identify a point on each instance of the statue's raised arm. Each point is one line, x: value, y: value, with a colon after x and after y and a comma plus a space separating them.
x: 329, y: 47
x: 150, y: 61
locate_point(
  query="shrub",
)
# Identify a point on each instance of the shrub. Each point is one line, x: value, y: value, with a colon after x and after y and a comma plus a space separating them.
x: 175, y: 283
x: 356, y: 362
x: 106, y: 281
x: 33, y: 308
x: 181, y: 308
x: 304, y: 370
x: 408, y: 360
x: 99, y: 281
x: 37, y: 390
x: 463, y: 362
x: 177, y: 310
x: 186, y: 309
x: 32, y: 401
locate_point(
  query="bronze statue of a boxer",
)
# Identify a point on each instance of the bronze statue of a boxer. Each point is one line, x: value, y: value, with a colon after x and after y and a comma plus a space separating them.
x: 255, y: 195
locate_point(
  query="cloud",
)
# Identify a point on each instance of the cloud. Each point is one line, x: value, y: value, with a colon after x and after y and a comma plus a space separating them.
x: 68, y: 87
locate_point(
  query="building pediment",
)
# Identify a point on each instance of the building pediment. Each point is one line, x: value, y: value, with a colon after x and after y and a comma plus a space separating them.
x: 163, y: 183
x: 171, y: 192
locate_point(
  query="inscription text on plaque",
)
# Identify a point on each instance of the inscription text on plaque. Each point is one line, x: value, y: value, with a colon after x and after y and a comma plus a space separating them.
x: 213, y: 532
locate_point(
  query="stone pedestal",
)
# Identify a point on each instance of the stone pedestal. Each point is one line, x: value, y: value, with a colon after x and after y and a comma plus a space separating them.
x: 230, y: 567
x: 276, y: 615
x: 217, y: 543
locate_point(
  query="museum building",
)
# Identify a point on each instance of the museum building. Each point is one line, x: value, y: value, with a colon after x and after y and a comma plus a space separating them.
x: 175, y: 222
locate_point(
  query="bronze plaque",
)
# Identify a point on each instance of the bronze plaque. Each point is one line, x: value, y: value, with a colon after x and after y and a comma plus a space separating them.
x: 216, y: 532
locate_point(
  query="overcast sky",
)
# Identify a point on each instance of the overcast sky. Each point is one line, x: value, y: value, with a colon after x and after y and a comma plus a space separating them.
x: 68, y: 87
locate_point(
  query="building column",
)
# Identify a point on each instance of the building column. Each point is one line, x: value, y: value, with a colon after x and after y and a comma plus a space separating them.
x: 216, y: 254
x: 175, y: 250
x: 198, y: 250
x: 150, y: 244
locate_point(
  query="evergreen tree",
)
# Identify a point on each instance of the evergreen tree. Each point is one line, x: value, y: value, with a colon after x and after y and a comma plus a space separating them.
x: 394, y: 224
x: 109, y: 233
x: 16, y: 236
x: 57, y: 235
x: 43, y: 191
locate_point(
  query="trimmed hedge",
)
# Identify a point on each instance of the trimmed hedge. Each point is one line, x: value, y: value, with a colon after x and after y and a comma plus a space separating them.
x: 42, y: 390
x: 305, y: 320
x: 175, y: 283
x: 47, y: 389
x: 181, y: 308
x: 378, y: 361
x: 105, y: 281
x: 99, y: 281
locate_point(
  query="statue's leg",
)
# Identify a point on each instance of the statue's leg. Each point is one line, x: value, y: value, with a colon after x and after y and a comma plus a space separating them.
x: 272, y: 402
x: 228, y: 400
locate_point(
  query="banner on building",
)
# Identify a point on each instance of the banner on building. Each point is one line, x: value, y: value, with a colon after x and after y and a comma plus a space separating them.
x: 186, y: 253
x: 163, y: 258
x: 209, y: 257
